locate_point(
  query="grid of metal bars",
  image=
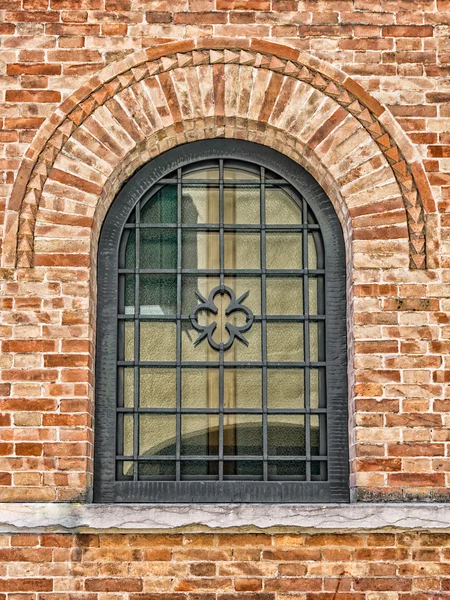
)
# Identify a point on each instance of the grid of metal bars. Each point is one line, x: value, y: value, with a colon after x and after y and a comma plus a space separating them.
x: 311, y: 465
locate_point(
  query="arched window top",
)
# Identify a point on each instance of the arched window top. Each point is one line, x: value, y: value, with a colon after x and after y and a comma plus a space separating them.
x: 224, y: 380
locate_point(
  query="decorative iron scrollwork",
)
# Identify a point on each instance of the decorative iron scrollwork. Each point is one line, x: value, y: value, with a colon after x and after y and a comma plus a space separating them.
x: 235, y: 305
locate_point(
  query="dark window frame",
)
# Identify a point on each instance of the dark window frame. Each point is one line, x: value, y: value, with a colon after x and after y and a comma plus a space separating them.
x: 106, y: 486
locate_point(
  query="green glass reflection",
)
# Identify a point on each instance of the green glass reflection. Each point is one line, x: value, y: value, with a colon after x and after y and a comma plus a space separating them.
x: 200, y: 388
x: 281, y: 209
x: 318, y: 435
x: 242, y: 435
x: 128, y: 259
x: 158, y: 388
x: 287, y: 468
x: 165, y: 469
x: 285, y: 388
x: 158, y: 249
x: 243, y: 469
x: 284, y: 296
x: 316, y: 341
x: 197, y: 468
x: 162, y: 206
x: 241, y: 205
x: 200, y: 204
x: 199, y: 434
x: 158, y: 341
x: 201, y: 250
x: 286, y: 435
x: 284, y: 251
x: 242, y: 250
x: 158, y: 294
x: 127, y: 294
x: 157, y: 435
x: 285, y: 342
x: 319, y: 470
x: 242, y: 388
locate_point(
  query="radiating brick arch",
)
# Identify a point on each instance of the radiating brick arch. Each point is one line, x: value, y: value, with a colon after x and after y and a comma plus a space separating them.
x: 272, y: 94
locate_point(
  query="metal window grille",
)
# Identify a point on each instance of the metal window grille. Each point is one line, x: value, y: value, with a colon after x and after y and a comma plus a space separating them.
x: 222, y: 266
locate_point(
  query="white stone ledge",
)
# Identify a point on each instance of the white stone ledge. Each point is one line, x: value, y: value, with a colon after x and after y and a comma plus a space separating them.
x: 18, y: 517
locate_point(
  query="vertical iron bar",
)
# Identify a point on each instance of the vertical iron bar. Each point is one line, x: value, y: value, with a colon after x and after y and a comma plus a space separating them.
x: 264, y: 321
x: 306, y: 342
x: 178, y: 338
x: 221, y: 357
x: 137, y: 310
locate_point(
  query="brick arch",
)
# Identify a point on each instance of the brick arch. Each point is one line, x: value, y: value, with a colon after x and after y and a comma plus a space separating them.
x: 155, y: 99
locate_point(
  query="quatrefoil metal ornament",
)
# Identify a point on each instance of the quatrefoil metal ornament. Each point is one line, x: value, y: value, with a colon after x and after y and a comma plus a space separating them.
x: 235, y: 305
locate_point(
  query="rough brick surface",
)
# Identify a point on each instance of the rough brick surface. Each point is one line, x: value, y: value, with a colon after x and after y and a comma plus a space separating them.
x: 92, y: 89
x: 375, y: 566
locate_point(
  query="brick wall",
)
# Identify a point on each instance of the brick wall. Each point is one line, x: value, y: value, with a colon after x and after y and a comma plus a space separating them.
x: 371, y: 566
x: 376, y: 165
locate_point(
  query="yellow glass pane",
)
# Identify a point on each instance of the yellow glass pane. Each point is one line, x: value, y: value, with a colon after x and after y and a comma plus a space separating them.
x: 314, y: 388
x: 202, y: 352
x: 128, y: 435
x: 158, y: 341
x: 286, y: 435
x: 284, y: 251
x: 199, y: 434
x: 203, y: 174
x: 241, y: 250
x: 312, y: 252
x: 313, y: 298
x: 285, y: 388
x: 157, y: 435
x: 285, y: 342
x: 129, y: 340
x: 241, y: 205
x: 242, y: 435
x: 242, y: 353
x: 127, y: 468
x: 242, y: 388
x: 158, y: 388
x: 240, y: 285
x: 317, y: 435
x: 284, y: 296
x: 200, y: 388
x: 128, y: 387
x: 281, y: 209
x: 200, y: 204
x: 234, y: 174
x: 201, y: 250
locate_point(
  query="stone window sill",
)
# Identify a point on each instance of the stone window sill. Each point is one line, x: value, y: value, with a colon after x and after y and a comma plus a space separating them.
x: 63, y: 518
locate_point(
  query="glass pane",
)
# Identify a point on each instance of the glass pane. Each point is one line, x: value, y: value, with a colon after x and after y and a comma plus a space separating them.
x: 157, y: 435
x: 286, y: 435
x: 208, y: 174
x: 126, y: 343
x: 158, y: 294
x: 241, y: 285
x: 158, y: 249
x: 234, y: 174
x: 287, y: 468
x: 158, y: 388
x: 315, y: 252
x: 285, y: 342
x: 319, y: 470
x: 313, y: 297
x: 157, y: 468
x: 128, y: 387
x: 158, y: 341
x: 200, y: 204
x: 284, y: 251
x: 201, y: 250
x: 316, y: 341
x: 162, y: 207
x: 241, y: 250
x: 242, y: 435
x: 243, y: 469
x: 128, y: 434
x: 241, y: 205
x: 317, y: 388
x: 281, y: 209
x: 200, y: 388
x: 127, y: 468
x: 284, y: 296
x: 199, y: 434
x: 242, y: 353
x: 126, y: 294
x: 318, y: 435
x: 190, y: 353
x: 195, y: 468
x: 285, y: 388
x: 192, y: 283
x: 242, y: 388
x: 127, y: 255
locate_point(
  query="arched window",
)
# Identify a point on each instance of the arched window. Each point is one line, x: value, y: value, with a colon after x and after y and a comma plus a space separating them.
x: 221, y: 356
